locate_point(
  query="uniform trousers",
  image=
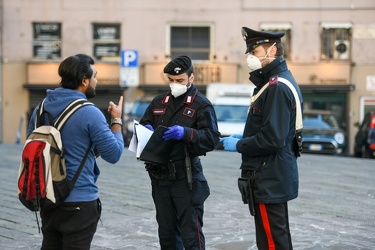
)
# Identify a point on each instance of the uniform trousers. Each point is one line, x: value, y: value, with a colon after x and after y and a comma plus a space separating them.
x: 272, y: 227
x: 71, y: 225
x: 179, y: 212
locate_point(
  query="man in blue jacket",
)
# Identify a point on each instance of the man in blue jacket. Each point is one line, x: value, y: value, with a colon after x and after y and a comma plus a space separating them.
x: 72, y: 225
x: 267, y: 146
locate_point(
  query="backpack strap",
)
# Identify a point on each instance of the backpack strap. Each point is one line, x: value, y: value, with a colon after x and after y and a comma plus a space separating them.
x: 79, y: 170
x: 39, y: 121
x: 68, y: 111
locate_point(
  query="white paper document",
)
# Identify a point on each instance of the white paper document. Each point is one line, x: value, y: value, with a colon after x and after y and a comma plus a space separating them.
x: 140, y: 137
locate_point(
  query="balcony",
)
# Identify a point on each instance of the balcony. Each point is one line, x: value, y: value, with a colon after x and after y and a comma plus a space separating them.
x: 152, y: 73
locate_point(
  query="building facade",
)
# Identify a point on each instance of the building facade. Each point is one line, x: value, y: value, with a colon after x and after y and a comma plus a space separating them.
x: 329, y: 49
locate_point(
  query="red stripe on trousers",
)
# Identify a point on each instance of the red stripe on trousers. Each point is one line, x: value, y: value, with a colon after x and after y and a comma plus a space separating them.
x: 266, y: 226
x: 199, y: 235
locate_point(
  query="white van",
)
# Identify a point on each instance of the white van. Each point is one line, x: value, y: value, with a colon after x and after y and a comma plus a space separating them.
x: 231, y: 103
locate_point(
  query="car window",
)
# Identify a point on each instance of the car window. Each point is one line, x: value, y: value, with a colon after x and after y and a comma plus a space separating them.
x: 139, y: 108
x: 321, y: 119
x: 231, y: 113
x: 315, y: 123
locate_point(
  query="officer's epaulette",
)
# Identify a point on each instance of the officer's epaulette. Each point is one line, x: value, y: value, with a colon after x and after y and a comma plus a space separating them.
x: 273, y: 80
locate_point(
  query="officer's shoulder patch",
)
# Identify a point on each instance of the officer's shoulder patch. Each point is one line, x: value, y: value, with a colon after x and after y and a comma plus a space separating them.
x: 273, y: 80
x: 189, y: 112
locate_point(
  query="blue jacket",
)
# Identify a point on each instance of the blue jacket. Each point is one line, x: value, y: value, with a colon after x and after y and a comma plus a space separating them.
x: 87, y: 125
x: 267, y: 144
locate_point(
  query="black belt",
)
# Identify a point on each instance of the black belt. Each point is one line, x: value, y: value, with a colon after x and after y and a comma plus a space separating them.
x: 169, y: 171
x: 181, y: 163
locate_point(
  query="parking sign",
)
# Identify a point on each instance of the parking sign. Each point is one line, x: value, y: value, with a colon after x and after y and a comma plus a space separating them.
x: 129, y: 58
x: 129, y: 71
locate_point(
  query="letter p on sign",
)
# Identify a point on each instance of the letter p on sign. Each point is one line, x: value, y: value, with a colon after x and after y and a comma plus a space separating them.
x: 129, y: 58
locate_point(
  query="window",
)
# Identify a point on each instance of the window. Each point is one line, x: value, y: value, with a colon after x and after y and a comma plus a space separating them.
x: 193, y: 41
x: 280, y: 27
x: 335, y: 41
x: 47, y: 41
x: 107, y: 41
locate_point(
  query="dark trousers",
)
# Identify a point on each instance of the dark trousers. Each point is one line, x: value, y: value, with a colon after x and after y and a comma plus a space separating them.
x: 272, y: 227
x: 71, y: 225
x: 179, y: 212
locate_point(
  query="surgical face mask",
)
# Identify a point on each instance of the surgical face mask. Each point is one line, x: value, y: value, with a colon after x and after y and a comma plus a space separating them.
x: 177, y: 89
x: 254, y: 62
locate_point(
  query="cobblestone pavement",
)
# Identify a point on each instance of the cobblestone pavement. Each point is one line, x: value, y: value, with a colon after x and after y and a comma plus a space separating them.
x: 334, y: 210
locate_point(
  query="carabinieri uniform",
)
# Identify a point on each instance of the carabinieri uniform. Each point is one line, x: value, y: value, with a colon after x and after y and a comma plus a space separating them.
x: 179, y: 210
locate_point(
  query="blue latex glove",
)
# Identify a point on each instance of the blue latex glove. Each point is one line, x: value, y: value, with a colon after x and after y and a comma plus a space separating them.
x: 175, y: 132
x: 149, y: 127
x: 238, y: 136
x: 229, y: 143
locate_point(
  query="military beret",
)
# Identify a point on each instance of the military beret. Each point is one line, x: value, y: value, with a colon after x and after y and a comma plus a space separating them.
x: 178, y: 65
x: 255, y: 38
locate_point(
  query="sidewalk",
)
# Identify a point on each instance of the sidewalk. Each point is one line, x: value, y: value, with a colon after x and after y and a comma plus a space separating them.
x: 334, y: 210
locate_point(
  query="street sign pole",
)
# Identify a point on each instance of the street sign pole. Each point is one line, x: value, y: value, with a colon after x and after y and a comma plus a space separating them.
x: 129, y: 73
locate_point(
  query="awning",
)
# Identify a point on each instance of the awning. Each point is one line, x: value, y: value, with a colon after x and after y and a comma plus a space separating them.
x: 327, y: 88
x: 101, y: 88
x: 337, y: 25
x: 275, y: 26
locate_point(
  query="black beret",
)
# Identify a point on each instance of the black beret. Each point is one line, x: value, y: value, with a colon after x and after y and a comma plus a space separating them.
x: 255, y: 38
x: 178, y: 65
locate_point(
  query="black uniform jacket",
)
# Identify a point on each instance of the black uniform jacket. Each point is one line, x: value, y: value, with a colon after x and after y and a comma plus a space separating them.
x: 194, y: 112
x: 267, y: 144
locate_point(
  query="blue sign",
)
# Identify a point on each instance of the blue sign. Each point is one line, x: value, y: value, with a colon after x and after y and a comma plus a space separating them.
x: 129, y: 58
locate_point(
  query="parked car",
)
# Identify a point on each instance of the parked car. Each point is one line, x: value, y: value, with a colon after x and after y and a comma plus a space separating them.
x: 321, y: 133
x: 364, y: 143
x: 136, y: 112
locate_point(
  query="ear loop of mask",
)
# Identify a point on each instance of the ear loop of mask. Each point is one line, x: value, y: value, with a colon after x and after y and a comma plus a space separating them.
x: 269, y: 50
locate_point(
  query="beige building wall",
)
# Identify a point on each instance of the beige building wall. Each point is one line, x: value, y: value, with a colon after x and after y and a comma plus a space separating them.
x: 144, y: 26
x: 14, y: 102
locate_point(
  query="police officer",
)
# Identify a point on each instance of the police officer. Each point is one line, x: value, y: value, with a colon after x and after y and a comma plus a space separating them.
x: 192, y: 125
x: 267, y: 145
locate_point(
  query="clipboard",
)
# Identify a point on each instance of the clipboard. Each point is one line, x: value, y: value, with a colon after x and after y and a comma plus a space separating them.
x: 140, y: 137
x: 157, y: 150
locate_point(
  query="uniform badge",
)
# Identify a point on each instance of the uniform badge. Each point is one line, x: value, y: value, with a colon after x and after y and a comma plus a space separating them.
x: 177, y: 70
x: 189, y: 112
x: 158, y: 111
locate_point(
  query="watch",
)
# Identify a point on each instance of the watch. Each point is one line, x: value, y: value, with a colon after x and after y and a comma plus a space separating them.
x: 116, y: 121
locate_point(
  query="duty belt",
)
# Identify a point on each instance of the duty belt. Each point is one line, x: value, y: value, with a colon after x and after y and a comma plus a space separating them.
x: 168, y: 172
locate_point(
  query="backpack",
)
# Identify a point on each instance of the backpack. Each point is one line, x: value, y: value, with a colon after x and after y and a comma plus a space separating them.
x: 42, y: 178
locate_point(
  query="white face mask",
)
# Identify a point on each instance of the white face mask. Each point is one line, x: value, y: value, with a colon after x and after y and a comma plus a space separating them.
x: 254, y: 62
x: 177, y: 89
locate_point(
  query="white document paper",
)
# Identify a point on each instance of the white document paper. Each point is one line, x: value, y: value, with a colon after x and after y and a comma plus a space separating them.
x: 140, y: 137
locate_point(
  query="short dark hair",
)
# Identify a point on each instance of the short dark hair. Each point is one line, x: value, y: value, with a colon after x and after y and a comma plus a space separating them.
x: 73, y: 69
x: 190, y: 71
